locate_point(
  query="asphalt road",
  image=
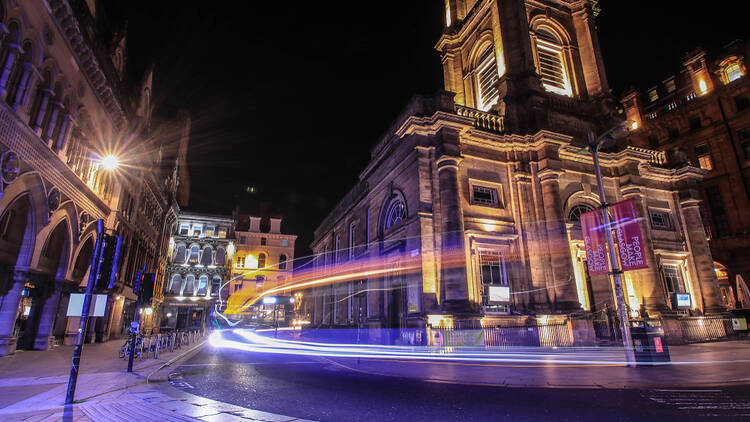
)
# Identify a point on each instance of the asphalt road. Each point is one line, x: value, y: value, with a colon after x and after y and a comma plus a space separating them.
x: 326, y: 390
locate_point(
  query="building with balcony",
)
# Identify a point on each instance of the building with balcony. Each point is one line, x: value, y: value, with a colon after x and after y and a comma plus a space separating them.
x: 200, y: 253
x: 68, y: 114
x: 468, y: 213
x: 264, y: 259
x: 701, y: 115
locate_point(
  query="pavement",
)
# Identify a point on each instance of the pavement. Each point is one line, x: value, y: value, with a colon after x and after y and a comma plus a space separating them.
x: 33, y: 385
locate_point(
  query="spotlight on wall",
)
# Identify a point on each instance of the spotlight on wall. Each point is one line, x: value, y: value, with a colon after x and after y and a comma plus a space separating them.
x: 110, y: 162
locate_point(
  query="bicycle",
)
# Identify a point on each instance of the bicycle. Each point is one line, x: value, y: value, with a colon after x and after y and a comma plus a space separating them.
x: 125, y: 349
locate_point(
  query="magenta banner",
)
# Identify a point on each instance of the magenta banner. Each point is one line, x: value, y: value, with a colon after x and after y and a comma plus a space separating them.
x: 628, y: 235
x: 593, y: 237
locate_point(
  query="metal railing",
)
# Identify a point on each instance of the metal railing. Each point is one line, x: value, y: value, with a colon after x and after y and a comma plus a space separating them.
x: 556, y: 334
x: 699, y: 329
x: 150, y: 345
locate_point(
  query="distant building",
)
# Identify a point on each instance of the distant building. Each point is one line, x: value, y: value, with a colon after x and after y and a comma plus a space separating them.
x: 702, y: 116
x: 264, y: 259
x: 200, y: 253
x: 478, y: 191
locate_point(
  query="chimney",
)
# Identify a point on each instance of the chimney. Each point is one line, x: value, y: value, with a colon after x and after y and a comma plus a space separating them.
x: 275, y: 225
x: 254, y: 224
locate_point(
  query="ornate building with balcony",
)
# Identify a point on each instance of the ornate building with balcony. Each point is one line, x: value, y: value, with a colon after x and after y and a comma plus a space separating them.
x: 701, y: 115
x: 468, y: 212
x: 199, y: 267
x: 66, y: 104
x: 264, y: 259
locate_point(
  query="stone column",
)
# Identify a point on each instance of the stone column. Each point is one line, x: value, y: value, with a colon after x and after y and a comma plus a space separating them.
x: 9, y: 312
x: 453, y: 262
x: 45, y: 336
x: 47, y: 136
x: 529, y: 232
x: 563, y: 278
x: 36, y: 125
x: 62, y: 137
x: 13, y: 50
x: 704, y: 264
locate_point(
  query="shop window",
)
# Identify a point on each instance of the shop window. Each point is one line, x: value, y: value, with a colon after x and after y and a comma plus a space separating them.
x: 704, y: 157
x: 661, y: 220
x: 483, y: 195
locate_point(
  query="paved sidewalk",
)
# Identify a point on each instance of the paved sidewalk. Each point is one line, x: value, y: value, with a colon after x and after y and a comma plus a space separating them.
x: 33, y: 386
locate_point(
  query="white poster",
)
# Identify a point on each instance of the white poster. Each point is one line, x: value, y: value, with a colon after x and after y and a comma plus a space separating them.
x: 96, y: 309
x: 500, y: 294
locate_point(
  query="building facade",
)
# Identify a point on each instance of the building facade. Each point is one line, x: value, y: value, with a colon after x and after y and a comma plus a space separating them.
x: 200, y: 255
x: 702, y: 116
x: 264, y: 259
x: 65, y: 105
x: 481, y: 186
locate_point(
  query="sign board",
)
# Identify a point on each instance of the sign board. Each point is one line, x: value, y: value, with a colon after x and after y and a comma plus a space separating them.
x: 96, y: 309
x: 594, y: 239
x: 499, y: 294
x: 739, y: 324
x: 682, y: 300
x: 628, y: 235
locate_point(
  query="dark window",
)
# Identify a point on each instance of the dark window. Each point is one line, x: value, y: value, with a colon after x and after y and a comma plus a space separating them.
x: 674, y: 132
x: 742, y: 102
x: 207, y: 257
x: 718, y: 213
x: 215, y: 286
x: 262, y: 240
x: 673, y: 278
x: 653, y: 141
x: 574, y: 215
x: 483, y: 195
x: 660, y: 220
x: 746, y: 148
x: 261, y: 260
x: 695, y: 122
x: 282, y: 262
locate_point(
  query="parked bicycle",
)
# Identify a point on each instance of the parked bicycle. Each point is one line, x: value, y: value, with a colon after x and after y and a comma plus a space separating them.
x: 125, y: 349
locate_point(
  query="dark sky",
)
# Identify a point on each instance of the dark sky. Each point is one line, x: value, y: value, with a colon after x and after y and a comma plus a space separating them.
x: 289, y: 97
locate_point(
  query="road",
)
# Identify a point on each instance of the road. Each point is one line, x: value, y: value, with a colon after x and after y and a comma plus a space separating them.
x: 338, y: 390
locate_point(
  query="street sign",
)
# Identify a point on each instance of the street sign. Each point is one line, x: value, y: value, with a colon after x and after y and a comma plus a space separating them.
x: 628, y: 235
x: 75, y: 305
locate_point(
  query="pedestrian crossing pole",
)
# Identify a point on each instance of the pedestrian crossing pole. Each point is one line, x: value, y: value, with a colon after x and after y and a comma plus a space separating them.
x: 93, y: 275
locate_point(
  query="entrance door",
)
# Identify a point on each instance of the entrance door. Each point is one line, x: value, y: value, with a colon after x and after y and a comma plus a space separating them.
x: 29, y: 313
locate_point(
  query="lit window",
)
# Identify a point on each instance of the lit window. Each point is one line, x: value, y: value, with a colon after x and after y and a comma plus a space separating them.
x: 670, y: 85
x: 202, y: 285
x: 210, y: 231
x: 690, y: 96
x: 660, y: 220
x: 653, y: 95
x: 673, y: 279
x: 704, y: 157
x: 179, y: 255
x: 261, y: 260
x: 197, y: 230
x: 184, y: 229
x: 396, y: 213
x: 551, y: 63
x: 482, y: 195
x: 240, y: 261
x: 652, y: 116
x: 494, y: 275
x: 733, y: 72
x: 671, y: 106
x: 487, y: 77
x: 283, y: 242
x: 194, y: 254
x: 222, y: 233
x: 189, y: 288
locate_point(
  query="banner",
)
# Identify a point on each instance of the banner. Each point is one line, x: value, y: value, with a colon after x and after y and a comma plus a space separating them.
x: 594, y: 239
x: 628, y: 235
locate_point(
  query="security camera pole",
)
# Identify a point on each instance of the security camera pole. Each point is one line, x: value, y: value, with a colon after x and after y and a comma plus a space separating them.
x: 618, y: 132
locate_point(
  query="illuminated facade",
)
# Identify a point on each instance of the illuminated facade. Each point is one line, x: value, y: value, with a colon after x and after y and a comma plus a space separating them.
x: 702, y: 116
x: 483, y: 186
x: 264, y: 259
x: 200, y: 254
x: 62, y: 111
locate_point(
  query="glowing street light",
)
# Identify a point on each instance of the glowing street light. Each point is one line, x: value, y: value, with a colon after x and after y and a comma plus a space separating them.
x: 110, y: 162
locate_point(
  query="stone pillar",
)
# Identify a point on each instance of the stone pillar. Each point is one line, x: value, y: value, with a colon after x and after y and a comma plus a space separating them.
x: 45, y: 335
x: 36, y: 125
x: 13, y: 50
x: 563, y: 278
x: 9, y: 312
x: 529, y: 232
x: 649, y: 280
x: 64, y: 135
x: 704, y: 264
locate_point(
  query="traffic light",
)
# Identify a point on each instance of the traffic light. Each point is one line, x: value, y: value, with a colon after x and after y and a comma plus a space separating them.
x: 108, y: 263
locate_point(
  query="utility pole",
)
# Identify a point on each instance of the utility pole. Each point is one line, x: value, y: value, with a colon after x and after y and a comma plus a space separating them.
x: 134, y: 332
x: 627, y: 341
x: 93, y: 275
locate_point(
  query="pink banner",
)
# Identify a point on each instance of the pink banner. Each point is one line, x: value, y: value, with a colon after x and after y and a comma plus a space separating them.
x: 593, y: 237
x: 628, y: 235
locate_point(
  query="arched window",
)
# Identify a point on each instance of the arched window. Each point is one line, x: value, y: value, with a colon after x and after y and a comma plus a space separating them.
x: 175, y: 285
x: 208, y: 256
x: 731, y: 69
x: 282, y: 262
x: 215, y: 285
x: 9, y: 59
x: 486, y: 79
x: 551, y: 61
x: 261, y: 260
x: 395, y: 214
x: 220, y: 256
x: 16, y: 80
x: 574, y: 215
x: 194, y: 254
x: 202, y: 285
x: 179, y: 254
x: 189, y: 289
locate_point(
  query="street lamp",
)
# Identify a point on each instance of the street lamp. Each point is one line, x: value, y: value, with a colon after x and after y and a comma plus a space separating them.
x: 110, y: 162
x: 617, y: 132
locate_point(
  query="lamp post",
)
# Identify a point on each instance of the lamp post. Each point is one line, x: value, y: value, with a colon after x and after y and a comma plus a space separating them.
x: 618, y: 132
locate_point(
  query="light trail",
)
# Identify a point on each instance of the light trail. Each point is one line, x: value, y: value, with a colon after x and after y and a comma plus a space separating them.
x: 571, y: 356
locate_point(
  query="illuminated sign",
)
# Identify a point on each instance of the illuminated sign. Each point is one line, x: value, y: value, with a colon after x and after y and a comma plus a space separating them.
x: 75, y: 305
x: 269, y: 300
x: 682, y: 300
x: 499, y: 294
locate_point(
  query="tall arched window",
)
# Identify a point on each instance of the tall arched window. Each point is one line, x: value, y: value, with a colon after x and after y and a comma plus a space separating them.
x: 194, y: 254
x: 486, y: 80
x: 395, y: 214
x: 179, y: 254
x: 551, y: 61
x: 175, y: 285
x: 202, y: 285
x: 261, y: 260
x: 208, y: 256
x: 282, y: 262
x: 17, y: 80
x: 189, y: 289
x: 215, y: 285
x: 220, y: 256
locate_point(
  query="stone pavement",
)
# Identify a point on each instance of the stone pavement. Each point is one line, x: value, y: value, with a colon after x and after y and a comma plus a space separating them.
x: 33, y: 386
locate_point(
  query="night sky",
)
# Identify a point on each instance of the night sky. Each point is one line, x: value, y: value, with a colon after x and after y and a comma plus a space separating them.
x: 288, y: 98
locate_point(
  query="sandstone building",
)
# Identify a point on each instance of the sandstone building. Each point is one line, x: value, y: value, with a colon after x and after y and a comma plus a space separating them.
x: 701, y: 115
x: 482, y: 185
